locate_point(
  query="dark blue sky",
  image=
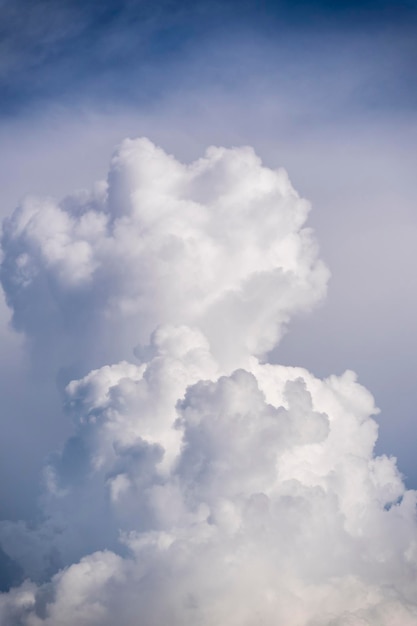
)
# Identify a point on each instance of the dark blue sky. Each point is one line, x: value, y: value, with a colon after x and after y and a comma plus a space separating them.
x: 127, y: 49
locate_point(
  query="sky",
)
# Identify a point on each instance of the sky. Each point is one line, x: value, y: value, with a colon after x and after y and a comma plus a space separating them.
x: 118, y: 296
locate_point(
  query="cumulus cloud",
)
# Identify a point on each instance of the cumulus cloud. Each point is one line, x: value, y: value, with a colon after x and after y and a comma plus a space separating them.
x: 249, y: 497
x: 218, y: 244
x: 202, y: 485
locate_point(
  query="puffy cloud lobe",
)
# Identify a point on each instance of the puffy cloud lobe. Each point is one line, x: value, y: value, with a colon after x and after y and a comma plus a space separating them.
x: 218, y: 244
x: 125, y: 442
x: 233, y: 499
x: 192, y: 492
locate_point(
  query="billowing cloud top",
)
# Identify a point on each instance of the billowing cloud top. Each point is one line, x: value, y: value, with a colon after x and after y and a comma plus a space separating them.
x: 218, y: 244
x: 192, y: 494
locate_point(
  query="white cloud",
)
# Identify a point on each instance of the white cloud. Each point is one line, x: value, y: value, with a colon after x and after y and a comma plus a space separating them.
x: 218, y: 244
x: 270, y: 507
x: 191, y: 493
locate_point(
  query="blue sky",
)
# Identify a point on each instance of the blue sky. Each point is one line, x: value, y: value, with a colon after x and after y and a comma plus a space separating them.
x: 119, y: 50
x: 326, y: 90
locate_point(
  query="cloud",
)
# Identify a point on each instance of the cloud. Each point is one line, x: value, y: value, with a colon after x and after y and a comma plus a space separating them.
x: 218, y: 244
x: 253, y: 496
x: 201, y: 484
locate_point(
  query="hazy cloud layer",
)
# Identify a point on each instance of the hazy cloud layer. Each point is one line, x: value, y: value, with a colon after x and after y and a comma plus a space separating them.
x: 191, y: 493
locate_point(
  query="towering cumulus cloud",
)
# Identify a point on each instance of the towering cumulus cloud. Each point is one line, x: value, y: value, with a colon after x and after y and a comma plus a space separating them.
x: 217, y: 244
x: 202, y: 485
